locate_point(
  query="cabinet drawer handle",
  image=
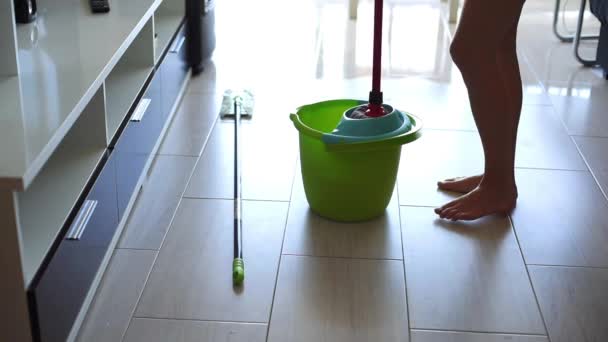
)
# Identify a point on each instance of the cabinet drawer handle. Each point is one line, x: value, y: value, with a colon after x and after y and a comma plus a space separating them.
x: 140, y: 111
x: 178, y: 45
x: 82, y: 219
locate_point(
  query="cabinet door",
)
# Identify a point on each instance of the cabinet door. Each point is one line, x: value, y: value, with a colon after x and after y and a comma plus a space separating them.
x: 174, y: 69
x: 137, y: 141
x: 57, y: 296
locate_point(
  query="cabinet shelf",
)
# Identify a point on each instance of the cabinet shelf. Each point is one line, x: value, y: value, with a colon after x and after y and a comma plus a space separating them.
x: 64, y: 57
x: 47, y: 203
x: 123, y: 84
x: 166, y: 23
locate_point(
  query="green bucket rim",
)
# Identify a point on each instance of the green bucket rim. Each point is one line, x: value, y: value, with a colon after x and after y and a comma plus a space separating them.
x: 393, y: 141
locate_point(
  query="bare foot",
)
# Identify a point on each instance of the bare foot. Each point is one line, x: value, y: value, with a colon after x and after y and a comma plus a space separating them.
x: 482, y: 201
x: 460, y: 184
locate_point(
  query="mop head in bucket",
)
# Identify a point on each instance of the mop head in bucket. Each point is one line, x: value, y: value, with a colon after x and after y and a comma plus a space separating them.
x: 356, y: 126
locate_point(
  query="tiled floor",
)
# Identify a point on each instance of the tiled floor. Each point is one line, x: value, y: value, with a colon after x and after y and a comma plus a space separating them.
x: 538, y: 276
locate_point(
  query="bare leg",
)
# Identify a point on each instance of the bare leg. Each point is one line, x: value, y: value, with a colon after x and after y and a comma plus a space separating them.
x: 510, y: 74
x: 484, y: 50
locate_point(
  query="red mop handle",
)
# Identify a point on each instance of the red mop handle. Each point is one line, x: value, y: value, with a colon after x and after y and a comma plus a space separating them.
x: 377, y: 62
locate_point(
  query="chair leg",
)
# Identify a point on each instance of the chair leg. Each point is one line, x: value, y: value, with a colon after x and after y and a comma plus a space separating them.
x: 578, y: 37
x: 453, y: 8
x: 566, y: 38
x: 353, y: 6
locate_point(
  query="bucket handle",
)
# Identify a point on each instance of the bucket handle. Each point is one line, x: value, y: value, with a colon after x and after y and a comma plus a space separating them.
x: 302, y: 128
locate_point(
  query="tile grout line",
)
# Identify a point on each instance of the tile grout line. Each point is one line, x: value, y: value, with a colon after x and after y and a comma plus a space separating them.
x: 588, y: 164
x: 523, y: 258
x: 340, y: 257
x: 136, y: 249
x: 407, y: 302
x: 230, y: 199
x: 479, y: 332
x: 124, y: 334
x: 589, y: 136
x: 549, y: 169
x: 197, y: 320
x: 417, y: 206
x: 570, y: 266
x: 276, y: 279
x: 176, y: 155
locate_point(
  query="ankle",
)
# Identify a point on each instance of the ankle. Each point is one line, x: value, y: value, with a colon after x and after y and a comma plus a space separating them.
x: 502, y: 182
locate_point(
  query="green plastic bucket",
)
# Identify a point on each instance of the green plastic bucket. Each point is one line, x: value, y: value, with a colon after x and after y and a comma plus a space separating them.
x: 351, y: 181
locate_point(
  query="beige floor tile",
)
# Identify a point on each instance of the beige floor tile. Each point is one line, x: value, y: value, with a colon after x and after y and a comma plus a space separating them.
x: 205, y: 82
x: 191, y: 125
x: 466, y: 276
x: 450, y: 336
x: 594, y: 152
x: 533, y: 91
x: 578, y: 93
x: 543, y: 142
x: 192, y: 276
x: 154, y: 209
x: 213, y: 175
x: 339, y: 300
x: 581, y: 106
x: 437, y: 155
x: 160, y: 330
x: 116, y: 298
x: 561, y: 218
x: 574, y: 302
x: 268, y: 164
x: 309, y: 234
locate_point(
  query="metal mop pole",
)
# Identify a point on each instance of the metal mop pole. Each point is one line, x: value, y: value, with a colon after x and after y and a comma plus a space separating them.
x: 238, y: 265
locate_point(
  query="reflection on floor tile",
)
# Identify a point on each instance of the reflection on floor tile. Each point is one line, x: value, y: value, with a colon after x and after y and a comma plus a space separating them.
x: 466, y: 276
x: 551, y: 59
x: 561, y: 218
x: 191, y: 125
x: 206, y: 81
x: 594, y: 151
x: 161, y: 330
x: 309, y: 234
x: 153, y: 211
x: 117, y: 295
x: 582, y: 107
x: 574, y: 302
x: 437, y: 155
x: 339, y: 300
x: 450, y: 336
x: 192, y: 276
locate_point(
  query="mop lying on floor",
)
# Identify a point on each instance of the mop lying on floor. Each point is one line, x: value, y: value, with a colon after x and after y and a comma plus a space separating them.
x: 237, y: 104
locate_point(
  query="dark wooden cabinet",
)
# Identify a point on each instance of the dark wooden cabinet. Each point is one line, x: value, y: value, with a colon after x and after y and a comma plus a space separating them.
x: 137, y: 141
x: 58, y: 294
x: 174, y: 70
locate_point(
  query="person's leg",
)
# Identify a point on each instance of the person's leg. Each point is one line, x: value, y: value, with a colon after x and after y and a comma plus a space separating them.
x: 481, y: 53
x: 510, y: 74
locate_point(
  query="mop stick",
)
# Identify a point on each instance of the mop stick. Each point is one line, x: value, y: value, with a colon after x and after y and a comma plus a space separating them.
x: 238, y: 265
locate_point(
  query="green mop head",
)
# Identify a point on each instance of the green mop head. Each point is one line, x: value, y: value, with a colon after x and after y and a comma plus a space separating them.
x: 245, y: 97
